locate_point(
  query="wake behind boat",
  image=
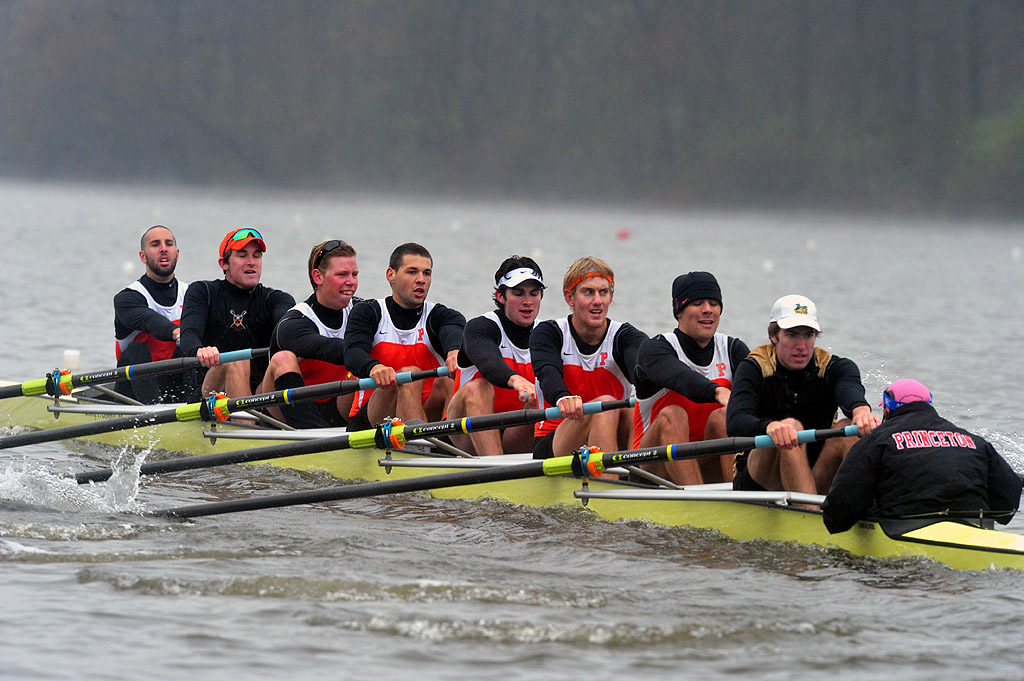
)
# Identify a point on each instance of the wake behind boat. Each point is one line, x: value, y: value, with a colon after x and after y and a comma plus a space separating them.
x: 739, y: 515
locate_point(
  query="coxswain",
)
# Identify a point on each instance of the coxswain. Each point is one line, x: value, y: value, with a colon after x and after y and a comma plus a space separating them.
x: 403, y: 332
x: 790, y: 385
x: 147, y: 314
x: 495, y: 373
x: 918, y: 465
x: 308, y: 344
x: 584, y: 357
x: 233, y: 313
x: 684, y: 379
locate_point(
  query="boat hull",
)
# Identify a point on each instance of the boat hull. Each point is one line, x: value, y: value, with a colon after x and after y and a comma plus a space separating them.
x: 954, y: 544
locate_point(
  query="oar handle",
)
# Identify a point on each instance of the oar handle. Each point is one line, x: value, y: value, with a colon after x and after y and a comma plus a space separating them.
x: 805, y: 436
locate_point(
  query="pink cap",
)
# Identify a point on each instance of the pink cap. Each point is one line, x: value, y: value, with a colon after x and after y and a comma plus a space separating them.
x: 904, y: 391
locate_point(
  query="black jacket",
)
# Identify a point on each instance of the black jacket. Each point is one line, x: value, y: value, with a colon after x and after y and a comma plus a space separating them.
x: 917, y: 462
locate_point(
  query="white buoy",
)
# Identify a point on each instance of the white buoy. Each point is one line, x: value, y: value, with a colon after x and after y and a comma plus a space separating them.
x: 811, y: 245
x: 1016, y: 253
x: 768, y: 267
x: 72, y: 359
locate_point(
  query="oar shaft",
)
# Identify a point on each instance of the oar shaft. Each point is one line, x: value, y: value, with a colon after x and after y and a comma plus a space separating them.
x: 505, y: 419
x: 315, y: 392
x: 570, y: 465
x: 82, y: 430
x: 557, y: 466
x: 361, y: 439
x: 163, y: 366
x: 197, y: 410
x: 530, y: 469
x: 42, y: 386
x: 241, y: 456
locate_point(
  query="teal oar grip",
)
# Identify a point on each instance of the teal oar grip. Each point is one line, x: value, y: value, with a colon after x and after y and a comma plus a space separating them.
x: 591, y: 407
x: 235, y: 355
x: 802, y: 436
x: 405, y: 377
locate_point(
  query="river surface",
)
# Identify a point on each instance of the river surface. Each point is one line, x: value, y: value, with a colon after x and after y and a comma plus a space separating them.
x: 413, y: 587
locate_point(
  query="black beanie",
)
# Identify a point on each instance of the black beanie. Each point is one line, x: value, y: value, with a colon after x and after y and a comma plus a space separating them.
x: 694, y: 286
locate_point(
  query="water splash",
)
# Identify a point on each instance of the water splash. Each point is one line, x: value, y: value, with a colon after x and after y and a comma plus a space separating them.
x: 30, y: 482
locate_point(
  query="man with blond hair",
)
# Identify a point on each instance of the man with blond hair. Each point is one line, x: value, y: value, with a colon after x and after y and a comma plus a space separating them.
x: 584, y: 357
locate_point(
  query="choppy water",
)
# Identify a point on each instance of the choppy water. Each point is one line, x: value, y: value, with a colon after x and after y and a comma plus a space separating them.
x: 412, y: 586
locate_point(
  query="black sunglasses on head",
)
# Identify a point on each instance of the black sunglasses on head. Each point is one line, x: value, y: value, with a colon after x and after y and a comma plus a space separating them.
x: 332, y: 245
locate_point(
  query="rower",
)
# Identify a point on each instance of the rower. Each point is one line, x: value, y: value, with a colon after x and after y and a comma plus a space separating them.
x: 790, y: 385
x: 147, y: 314
x: 403, y: 332
x: 308, y: 344
x: 495, y: 373
x: 683, y: 381
x: 581, y: 358
x: 917, y: 464
x: 233, y: 313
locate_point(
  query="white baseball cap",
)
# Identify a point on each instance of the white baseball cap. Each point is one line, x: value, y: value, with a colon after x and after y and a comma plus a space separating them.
x: 793, y: 310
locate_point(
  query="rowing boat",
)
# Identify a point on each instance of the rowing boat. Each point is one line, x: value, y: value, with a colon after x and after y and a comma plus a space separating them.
x: 738, y: 515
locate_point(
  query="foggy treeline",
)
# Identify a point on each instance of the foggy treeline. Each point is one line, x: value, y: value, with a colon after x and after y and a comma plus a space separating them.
x: 891, y: 105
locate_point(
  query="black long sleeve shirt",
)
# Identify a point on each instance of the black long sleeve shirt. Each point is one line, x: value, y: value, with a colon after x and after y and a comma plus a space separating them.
x: 444, y: 331
x: 659, y: 367
x: 801, y: 394
x: 219, y: 314
x: 915, y: 463
x: 480, y: 346
x: 132, y: 312
x: 545, y: 355
x: 297, y: 332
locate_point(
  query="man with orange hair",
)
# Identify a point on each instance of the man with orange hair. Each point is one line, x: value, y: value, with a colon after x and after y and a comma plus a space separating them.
x: 584, y: 357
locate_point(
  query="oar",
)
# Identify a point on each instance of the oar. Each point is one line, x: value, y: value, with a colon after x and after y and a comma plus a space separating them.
x: 581, y: 465
x: 58, y: 384
x: 396, y: 436
x: 215, y: 408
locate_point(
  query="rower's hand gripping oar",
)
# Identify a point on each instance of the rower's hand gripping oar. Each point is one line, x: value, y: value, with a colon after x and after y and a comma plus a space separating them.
x: 382, y: 437
x: 576, y: 464
x: 59, y: 383
x: 216, y: 408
